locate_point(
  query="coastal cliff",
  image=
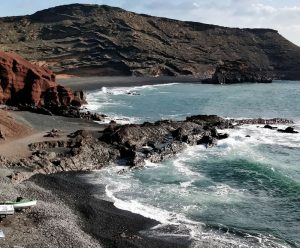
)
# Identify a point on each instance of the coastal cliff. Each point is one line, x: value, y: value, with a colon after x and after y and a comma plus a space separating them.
x: 98, y: 40
x: 24, y: 83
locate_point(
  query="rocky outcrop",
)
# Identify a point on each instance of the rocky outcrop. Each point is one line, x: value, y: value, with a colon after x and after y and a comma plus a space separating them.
x: 231, y: 72
x: 287, y: 130
x: 22, y: 83
x: 161, y: 140
x: 33, y: 88
x: 269, y: 127
x: 90, y: 40
x: 80, y: 153
x: 25, y: 83
x: 122, y: 144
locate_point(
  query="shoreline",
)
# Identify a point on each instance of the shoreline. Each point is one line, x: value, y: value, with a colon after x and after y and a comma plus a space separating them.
x: 94, y: 83
x: 71, y: 212
x: 67, y: 204
x: 111, y: 226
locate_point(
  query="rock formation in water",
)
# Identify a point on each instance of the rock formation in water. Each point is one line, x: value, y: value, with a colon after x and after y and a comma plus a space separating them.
x: 288, y: 130
x: 231, y: 72
x: 101, y: 40
x: 126, y: 144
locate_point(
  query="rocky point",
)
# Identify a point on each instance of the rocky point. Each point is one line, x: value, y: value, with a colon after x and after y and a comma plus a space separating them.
x: 130, y: 144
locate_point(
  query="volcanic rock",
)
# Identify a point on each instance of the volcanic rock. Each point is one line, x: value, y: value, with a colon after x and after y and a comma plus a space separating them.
x: 22, y: 83
x: 88, y: 40
x: 163, y: 139
x: 287, y: 130
x: 132, y: 144
x: 232, y: 72
x: 269, y: 127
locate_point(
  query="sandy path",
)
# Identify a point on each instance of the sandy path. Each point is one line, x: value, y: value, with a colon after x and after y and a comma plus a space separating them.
x: 18, y: 148
x: 23, y: 128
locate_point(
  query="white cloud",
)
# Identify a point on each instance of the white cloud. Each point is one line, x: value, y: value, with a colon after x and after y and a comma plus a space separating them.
x: 264, y: 9
x: 196, y: 5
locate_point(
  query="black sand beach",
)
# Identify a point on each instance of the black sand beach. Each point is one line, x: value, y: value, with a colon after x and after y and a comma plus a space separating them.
x: 93, y: 83
x: 112, y: 227
x: 68, y: 214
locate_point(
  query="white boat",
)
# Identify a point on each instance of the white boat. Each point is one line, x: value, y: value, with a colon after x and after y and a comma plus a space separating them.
x: 6, y: 210
x: 25, y: 204
x: 2, y: 236
x: 21, y: 203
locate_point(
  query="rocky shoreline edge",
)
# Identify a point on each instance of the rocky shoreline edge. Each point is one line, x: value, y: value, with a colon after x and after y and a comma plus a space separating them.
x: 129, y: 144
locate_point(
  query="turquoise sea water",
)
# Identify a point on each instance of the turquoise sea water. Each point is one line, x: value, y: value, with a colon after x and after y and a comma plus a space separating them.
x: 245, y: 192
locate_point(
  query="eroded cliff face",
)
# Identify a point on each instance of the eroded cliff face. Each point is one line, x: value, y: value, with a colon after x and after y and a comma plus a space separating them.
x: 101, y: 40
x: 24, y: 83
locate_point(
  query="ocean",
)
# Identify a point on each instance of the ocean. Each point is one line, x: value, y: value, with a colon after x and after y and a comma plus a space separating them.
x: 245, y: 192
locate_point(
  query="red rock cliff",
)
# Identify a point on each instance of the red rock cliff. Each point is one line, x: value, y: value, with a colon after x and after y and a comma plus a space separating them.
x: 24, y: 83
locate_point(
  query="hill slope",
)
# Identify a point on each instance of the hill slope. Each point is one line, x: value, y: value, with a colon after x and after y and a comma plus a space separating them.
x: 102, y: 40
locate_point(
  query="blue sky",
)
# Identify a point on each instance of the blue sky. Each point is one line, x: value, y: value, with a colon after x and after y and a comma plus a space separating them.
x: 282, y: 15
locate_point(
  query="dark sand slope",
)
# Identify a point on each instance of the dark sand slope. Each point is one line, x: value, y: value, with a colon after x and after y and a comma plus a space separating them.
x: 111, y: 226
x: 50, y: 224
x: 94, y: 83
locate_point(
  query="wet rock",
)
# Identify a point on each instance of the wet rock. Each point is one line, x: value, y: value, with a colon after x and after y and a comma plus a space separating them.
x: 137, y: 160
x: 210, y: 120
x: 163, y: 139
x: 269, y: 127
x: 287, y: 130
x: 223, y: 136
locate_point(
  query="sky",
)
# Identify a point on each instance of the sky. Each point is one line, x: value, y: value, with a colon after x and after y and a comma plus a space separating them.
x: 282, y: 15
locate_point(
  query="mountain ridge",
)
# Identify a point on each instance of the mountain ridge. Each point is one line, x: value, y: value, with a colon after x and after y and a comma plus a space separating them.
x: 85, y: 40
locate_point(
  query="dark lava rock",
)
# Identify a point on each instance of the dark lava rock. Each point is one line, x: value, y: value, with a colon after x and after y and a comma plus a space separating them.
x: 287, y: 130
x: 161, y: 140
x: 132, y: 144
x: 231, y: 72
x: 269, y: 127
x: 111, y: 41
